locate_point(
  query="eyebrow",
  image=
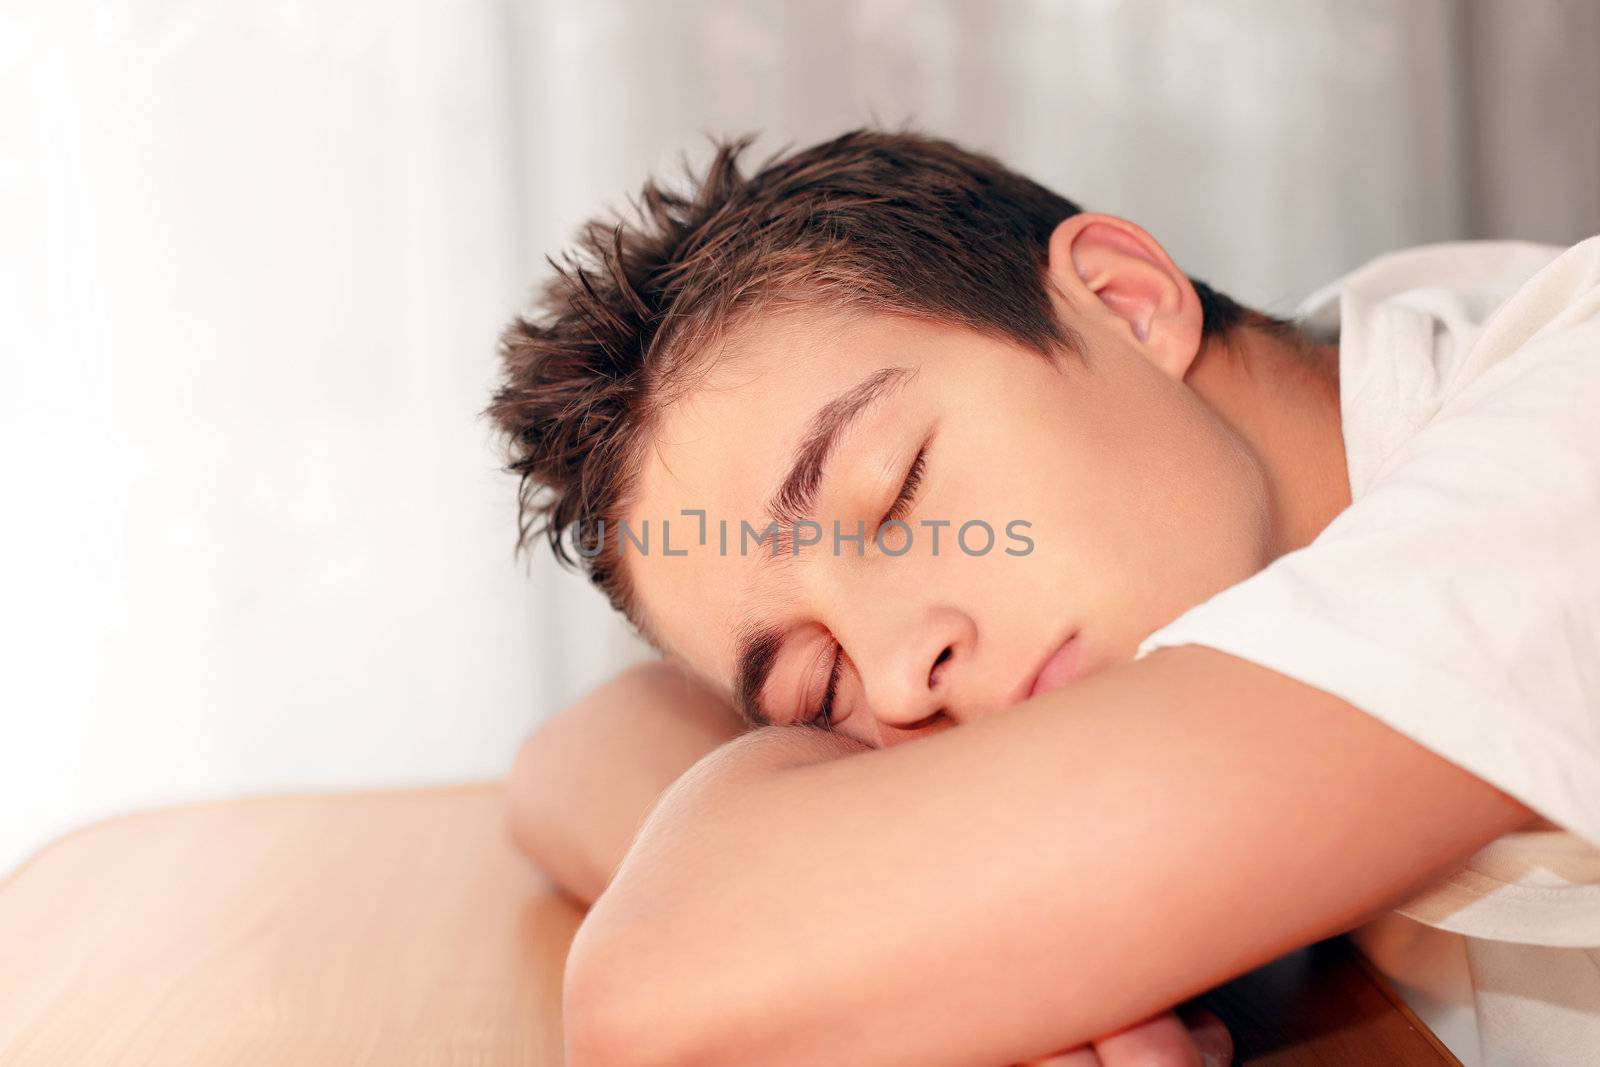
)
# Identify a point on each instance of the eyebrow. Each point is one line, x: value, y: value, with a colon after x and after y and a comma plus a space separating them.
x: 797, y: 493
x: 757, y: 645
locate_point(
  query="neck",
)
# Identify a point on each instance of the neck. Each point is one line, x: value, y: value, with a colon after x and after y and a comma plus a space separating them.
x: 1281, y: 396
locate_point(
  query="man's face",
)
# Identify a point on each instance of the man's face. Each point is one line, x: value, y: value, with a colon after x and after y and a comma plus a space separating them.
x: 1116, y: 497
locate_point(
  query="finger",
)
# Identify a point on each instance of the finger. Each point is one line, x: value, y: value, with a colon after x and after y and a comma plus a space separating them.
x: 1209, y: 1033
x: 1078, y: 1057
x: 1192, y: 1036
x: 1158, y: 1042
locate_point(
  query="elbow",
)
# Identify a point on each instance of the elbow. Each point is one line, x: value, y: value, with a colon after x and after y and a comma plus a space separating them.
x: 536, y: 821
x: 616, y: 1013
x: 633, y: 997
x: 599, y: 1027
x: 528, y: 816
x: 524, y: 807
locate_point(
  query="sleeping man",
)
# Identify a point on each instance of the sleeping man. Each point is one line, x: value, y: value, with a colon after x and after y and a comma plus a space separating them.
x: 1215, y: 633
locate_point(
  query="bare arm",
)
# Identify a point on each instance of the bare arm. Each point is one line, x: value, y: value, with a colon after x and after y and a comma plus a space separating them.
x: 583, y: 781
x: 1058, y: 871
x: 582, y: 785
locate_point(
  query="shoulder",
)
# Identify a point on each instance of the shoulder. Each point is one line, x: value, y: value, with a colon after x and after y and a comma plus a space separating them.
x: 1498, y: 267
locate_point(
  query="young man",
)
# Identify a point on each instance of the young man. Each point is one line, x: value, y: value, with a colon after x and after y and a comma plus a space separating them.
x: 1275, y: 625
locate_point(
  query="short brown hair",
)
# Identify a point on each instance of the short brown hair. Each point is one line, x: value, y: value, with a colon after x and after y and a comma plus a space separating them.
x: 875, y: 220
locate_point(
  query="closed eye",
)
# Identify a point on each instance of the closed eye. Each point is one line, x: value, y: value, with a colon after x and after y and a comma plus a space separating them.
x: 908, y: 488
x: 824, y: 716
x: 903, y: 501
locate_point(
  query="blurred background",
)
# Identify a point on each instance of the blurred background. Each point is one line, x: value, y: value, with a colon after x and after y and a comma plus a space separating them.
x: 254, y: 257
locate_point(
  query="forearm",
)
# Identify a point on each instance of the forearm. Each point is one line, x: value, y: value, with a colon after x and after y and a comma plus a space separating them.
x: 1077, y: 864
x: 584, y: 780
x: 603, y: 1029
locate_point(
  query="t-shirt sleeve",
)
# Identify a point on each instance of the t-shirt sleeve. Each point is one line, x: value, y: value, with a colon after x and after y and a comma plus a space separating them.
x: 1458, y: 600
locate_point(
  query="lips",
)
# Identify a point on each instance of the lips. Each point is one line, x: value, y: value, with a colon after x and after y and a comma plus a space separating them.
x: 1062, y: 666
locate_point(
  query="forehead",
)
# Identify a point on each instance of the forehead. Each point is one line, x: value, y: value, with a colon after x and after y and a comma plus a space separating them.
x: 722, y: 449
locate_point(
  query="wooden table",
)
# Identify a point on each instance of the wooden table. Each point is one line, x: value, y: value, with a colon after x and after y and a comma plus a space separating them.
x: 400, y: 928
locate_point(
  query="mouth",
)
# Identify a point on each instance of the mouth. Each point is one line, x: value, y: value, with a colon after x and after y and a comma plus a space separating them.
x: 1063, y: 664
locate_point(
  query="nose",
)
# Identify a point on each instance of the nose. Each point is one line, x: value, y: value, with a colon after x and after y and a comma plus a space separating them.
x: 912, y: 669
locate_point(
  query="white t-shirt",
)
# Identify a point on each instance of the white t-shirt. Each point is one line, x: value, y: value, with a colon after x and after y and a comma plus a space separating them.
x: 1458, y: 601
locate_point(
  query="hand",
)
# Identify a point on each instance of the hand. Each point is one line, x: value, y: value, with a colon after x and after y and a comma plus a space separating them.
x: 1199, y: 1039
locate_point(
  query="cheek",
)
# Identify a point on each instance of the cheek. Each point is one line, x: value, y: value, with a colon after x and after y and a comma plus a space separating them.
x: 1201, y: 527
x: 1150, y: 516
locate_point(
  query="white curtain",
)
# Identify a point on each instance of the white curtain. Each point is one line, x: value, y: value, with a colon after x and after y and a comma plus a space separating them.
x: 254, y: 536
x: 254, y: 257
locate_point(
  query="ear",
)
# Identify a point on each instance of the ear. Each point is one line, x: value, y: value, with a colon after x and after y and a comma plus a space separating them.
x: 1110, y: 268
